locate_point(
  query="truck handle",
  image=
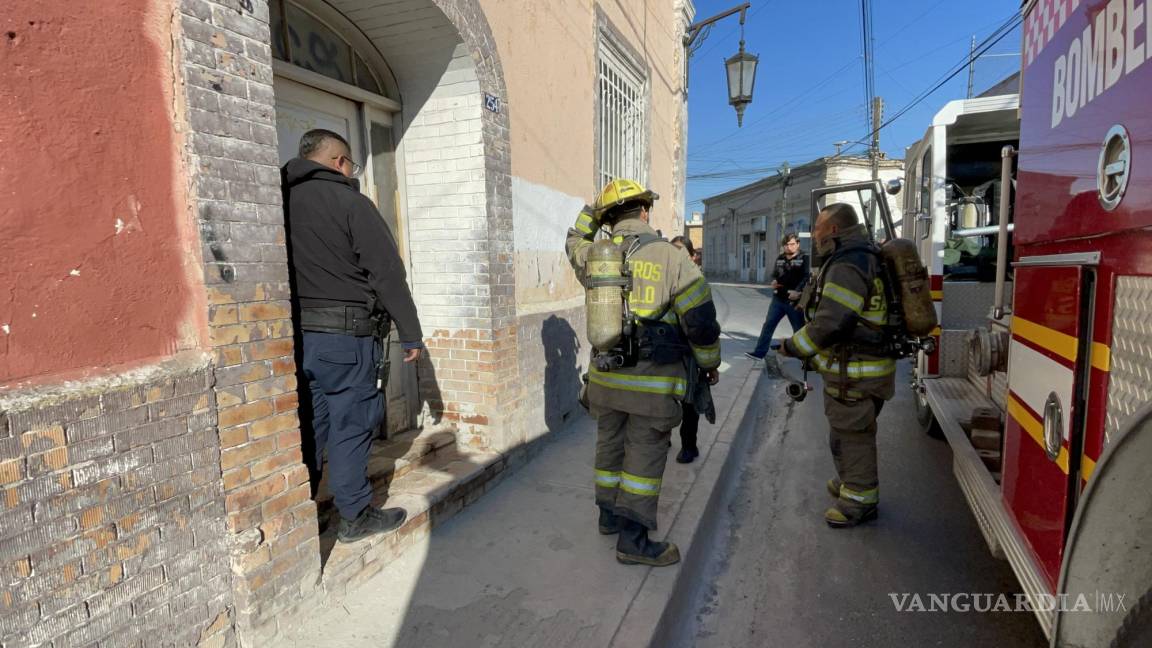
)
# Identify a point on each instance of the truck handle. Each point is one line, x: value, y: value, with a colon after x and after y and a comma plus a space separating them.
x: 1006, y: 155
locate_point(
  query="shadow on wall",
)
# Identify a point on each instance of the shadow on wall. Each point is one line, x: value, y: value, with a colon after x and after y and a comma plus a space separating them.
x: 431, y: 400
x: 561, y: 371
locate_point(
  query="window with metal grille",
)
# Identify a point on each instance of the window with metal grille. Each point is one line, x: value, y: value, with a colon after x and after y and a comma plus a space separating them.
x: 623, y: 145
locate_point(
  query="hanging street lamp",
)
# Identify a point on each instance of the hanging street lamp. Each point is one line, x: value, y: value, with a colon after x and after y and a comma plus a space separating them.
x: 740, y: 67
x: 741, y: 80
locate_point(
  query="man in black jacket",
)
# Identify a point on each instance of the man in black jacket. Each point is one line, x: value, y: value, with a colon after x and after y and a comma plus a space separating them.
x: 788, y: 280
x: 348, y: 277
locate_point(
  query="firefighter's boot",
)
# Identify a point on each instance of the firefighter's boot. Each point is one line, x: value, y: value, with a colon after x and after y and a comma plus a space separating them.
x: 840, y: 516
x: 833, y: 487
x: 609, y: 522
x: 634, y: 548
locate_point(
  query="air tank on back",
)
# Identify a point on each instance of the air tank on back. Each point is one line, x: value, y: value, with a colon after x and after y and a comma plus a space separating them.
x: 605, y: 296
x: 915, y: 290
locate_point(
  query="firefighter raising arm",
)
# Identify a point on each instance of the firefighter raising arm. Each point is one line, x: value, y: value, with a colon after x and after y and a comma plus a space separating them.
x: 580, y: 237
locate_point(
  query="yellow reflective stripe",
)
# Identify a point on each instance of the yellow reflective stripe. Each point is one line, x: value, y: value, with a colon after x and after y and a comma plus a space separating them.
x: 584, y: 223
x: 608, y: 478
x: 1101, y: 356
x: 645, y: 312
x: 707, y: 355
x: 638, y: 485
x: 1061, y: 344
x: 695, y: 294
x: 875, y: 317
x: 664, y: 385
x: 871, y: 496
x: 843, y: 296
x: 1035, y: 429
x: 670, y: 318
x: 804, y: 342
x: 618, y: 239
x: 858, y: 368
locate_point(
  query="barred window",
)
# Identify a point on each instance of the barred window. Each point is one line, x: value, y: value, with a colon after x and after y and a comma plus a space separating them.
x: 623, y: 146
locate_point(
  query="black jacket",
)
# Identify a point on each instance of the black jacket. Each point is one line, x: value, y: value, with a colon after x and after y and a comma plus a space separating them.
x: 791, y: 274
x: 339, y: 250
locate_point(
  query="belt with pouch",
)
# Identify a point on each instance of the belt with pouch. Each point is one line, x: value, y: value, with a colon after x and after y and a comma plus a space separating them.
x: 345, y: 320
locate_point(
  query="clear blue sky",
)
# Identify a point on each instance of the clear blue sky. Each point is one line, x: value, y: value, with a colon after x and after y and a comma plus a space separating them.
x: 810, y: 82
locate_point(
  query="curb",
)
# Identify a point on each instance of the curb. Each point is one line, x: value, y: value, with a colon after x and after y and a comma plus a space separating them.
x: 651, y: 618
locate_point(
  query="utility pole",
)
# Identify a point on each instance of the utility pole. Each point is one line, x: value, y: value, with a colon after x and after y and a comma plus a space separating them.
x: 874, y: 152
x: 971, y: 66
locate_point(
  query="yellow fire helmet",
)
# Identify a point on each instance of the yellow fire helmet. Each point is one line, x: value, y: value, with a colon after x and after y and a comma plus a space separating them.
x: 621, y: 191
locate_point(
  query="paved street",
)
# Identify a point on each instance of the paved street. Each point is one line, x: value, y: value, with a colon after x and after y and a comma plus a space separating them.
x: 783, y: 578
x: 523, y: 565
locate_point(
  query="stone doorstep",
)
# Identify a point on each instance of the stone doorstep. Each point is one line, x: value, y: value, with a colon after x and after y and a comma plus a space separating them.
x: 430, y: 493
x: 394, y: 458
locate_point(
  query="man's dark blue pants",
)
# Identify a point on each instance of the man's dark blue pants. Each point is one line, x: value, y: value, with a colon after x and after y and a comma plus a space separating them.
x: 346, y: 410
x: 779, y: 309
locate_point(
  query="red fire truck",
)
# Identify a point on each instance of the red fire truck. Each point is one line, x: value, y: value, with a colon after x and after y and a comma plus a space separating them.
x: 1034, y: 217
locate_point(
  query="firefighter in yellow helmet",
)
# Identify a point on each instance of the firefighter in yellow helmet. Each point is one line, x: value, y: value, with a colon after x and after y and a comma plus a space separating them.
x: 669, y: 338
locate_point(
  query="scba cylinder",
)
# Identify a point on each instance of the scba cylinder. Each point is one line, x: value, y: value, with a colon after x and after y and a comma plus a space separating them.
x: 605, y: 299
x: 915, y: 290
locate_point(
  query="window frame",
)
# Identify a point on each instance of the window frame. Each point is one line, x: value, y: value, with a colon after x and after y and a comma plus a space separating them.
x: 630, y: 148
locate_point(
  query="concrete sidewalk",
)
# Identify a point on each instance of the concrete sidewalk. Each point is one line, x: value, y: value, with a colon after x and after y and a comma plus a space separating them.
x: 525, y: 566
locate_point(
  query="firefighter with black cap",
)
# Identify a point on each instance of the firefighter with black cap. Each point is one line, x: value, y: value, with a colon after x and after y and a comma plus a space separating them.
x: 653, y: 327
x: 847, y: 308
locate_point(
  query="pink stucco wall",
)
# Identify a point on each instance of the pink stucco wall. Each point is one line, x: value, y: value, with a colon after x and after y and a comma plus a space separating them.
x: 99, y: 258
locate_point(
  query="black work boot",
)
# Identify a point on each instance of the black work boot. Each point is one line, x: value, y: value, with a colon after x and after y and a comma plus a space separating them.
x: 634, y: 548
x: 609, y: 522
x: 371, y: 521
x: 687, y: 455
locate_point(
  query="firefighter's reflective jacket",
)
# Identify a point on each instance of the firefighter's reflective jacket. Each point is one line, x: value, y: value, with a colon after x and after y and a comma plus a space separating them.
x: 846, y: 309
x: 668, y: 289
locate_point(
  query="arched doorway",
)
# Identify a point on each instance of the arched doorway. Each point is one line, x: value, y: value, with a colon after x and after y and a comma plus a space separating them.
x: 328, y: 74
x: 418, y: 86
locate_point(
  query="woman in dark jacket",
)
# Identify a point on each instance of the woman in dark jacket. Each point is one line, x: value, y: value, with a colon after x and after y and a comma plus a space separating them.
x: 691, y: 423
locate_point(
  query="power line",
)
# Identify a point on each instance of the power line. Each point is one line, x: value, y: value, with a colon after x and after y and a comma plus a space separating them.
x: 982, y: 48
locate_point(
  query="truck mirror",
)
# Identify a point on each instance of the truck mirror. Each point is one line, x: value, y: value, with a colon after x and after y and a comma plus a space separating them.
x: 894, y: 186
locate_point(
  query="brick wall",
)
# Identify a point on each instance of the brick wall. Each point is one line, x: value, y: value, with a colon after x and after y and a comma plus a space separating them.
x: 112, y: 514
x: 226, y: 68
x: 270, y: 519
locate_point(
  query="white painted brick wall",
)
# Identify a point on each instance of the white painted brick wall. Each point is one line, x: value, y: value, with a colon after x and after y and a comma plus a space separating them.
x: 446, y: 200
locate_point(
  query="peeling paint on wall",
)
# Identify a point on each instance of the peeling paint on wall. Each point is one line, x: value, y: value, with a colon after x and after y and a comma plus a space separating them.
x: 88, y: 91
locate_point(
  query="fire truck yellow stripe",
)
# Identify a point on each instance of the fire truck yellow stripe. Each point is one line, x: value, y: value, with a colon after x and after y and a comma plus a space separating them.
x: 1061, y: 344
x: 1087, y: 467
x: 1034, y: 428
x: 1101, y: 356
x: 937, y: 295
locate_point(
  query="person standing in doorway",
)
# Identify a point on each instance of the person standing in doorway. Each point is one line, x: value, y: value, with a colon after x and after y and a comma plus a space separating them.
x: 788, y: 280
x: 349, y: 285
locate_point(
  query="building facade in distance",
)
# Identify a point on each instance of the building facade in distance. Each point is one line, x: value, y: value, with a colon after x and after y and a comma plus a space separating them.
x: 743, y: 226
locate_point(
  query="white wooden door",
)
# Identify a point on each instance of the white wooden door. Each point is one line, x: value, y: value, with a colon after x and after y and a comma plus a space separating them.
x: 300, y: 108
